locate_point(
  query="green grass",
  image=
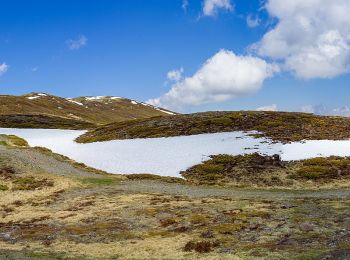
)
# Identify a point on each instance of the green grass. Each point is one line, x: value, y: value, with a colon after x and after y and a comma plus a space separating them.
x: 13, y: 140
x: 98, y: 181
x: 3, y: 187
x: 17, y: 141
x: 211, y: 167
x: 321, y: 167
x: 147, y: 176
x: 3, y: 143
x: 313, y: 171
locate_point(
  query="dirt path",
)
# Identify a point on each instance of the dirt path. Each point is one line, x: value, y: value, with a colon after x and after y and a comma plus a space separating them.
x: 191, y: 191
x: 29, y: 159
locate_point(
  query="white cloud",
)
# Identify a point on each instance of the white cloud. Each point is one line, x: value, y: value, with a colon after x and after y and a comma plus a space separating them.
x: 184, y: 5
x: 222, y: 77
x: 3, y: 68
x: 311, y: 37
x: 308, y: 109
x: 175, y: 75
x: 326, y: 111
x: 272, y: 107
x: 76, y: 44
x: 253, y: 21
x: 211, y: 7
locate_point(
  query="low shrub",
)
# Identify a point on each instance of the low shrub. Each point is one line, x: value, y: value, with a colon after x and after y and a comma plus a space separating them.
x: 200, y: 246
x: 3, y: 187
x: 313, y: 171
x: 31, y: 183
x: 17, y: 141
x: 167, y: 222
x: 209, y: 167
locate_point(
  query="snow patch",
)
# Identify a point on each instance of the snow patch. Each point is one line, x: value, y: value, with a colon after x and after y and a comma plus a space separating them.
x: 157, y: 108
x: 163, y: 156
x: 33, y: 97
x: 164, y: 111
x: 75, y: 102
x: 145, y: 104
x: 95, y: 98
x: 133, y: 102
x: 169, y: 156
x: 36, y: 95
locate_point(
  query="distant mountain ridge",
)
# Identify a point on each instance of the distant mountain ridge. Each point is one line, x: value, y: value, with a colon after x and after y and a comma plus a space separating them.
x: 96, y: 110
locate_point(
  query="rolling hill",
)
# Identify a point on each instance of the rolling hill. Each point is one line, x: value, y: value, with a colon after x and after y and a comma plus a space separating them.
x: 279, y: 126
x: 48, y: 111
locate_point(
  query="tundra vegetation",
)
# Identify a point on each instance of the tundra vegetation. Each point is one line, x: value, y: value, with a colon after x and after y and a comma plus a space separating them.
x: 54, y: 208
x: 39, y: 110
x: 279, y: 126
x: 255, y: 170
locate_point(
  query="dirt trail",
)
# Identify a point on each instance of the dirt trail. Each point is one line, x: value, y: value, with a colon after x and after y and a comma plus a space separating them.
x: 191, y: 191
x: 29, y: 159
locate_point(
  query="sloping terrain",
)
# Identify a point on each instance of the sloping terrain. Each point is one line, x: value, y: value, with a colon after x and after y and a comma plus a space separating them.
x: 88, y: 110
x: 54, y: 208
x: 279, y: 126
x: 255, y: 170
x: 42, y: 121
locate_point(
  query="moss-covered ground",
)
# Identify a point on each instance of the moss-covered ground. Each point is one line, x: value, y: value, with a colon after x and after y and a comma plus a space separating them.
x: 278, y: 126
x: 255, y: 170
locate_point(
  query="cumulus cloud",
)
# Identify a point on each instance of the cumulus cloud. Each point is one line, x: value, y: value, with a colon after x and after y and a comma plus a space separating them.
x: 76, y: 44
x: 272, y: 107
x: 3, y: 68
x: 175, y: 75
x: 253, y: 21
x: 311, y: 37
x: 211, y: 7
x: 222, y: 77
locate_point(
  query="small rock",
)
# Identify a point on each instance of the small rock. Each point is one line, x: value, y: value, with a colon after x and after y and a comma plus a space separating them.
x: 253, y: 226
x: 287, y: 206
x: 306, y: 227
x: 207, y: 234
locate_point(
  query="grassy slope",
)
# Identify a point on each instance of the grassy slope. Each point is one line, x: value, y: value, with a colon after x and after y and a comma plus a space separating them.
x: 87, y: 111
x: 42, y: 121
x: 68, y: 212
x: 279, y: 126
x: 255, y: 170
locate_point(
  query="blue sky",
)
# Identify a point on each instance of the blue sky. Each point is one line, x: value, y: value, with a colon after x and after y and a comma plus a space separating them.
x: 126, y: 48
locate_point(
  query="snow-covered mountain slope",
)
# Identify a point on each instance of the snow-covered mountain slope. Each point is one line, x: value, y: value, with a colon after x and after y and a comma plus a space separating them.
x: 94, y: 110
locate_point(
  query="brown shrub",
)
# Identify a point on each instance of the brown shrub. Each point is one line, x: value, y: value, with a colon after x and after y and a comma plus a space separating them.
x: 200, y: 246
